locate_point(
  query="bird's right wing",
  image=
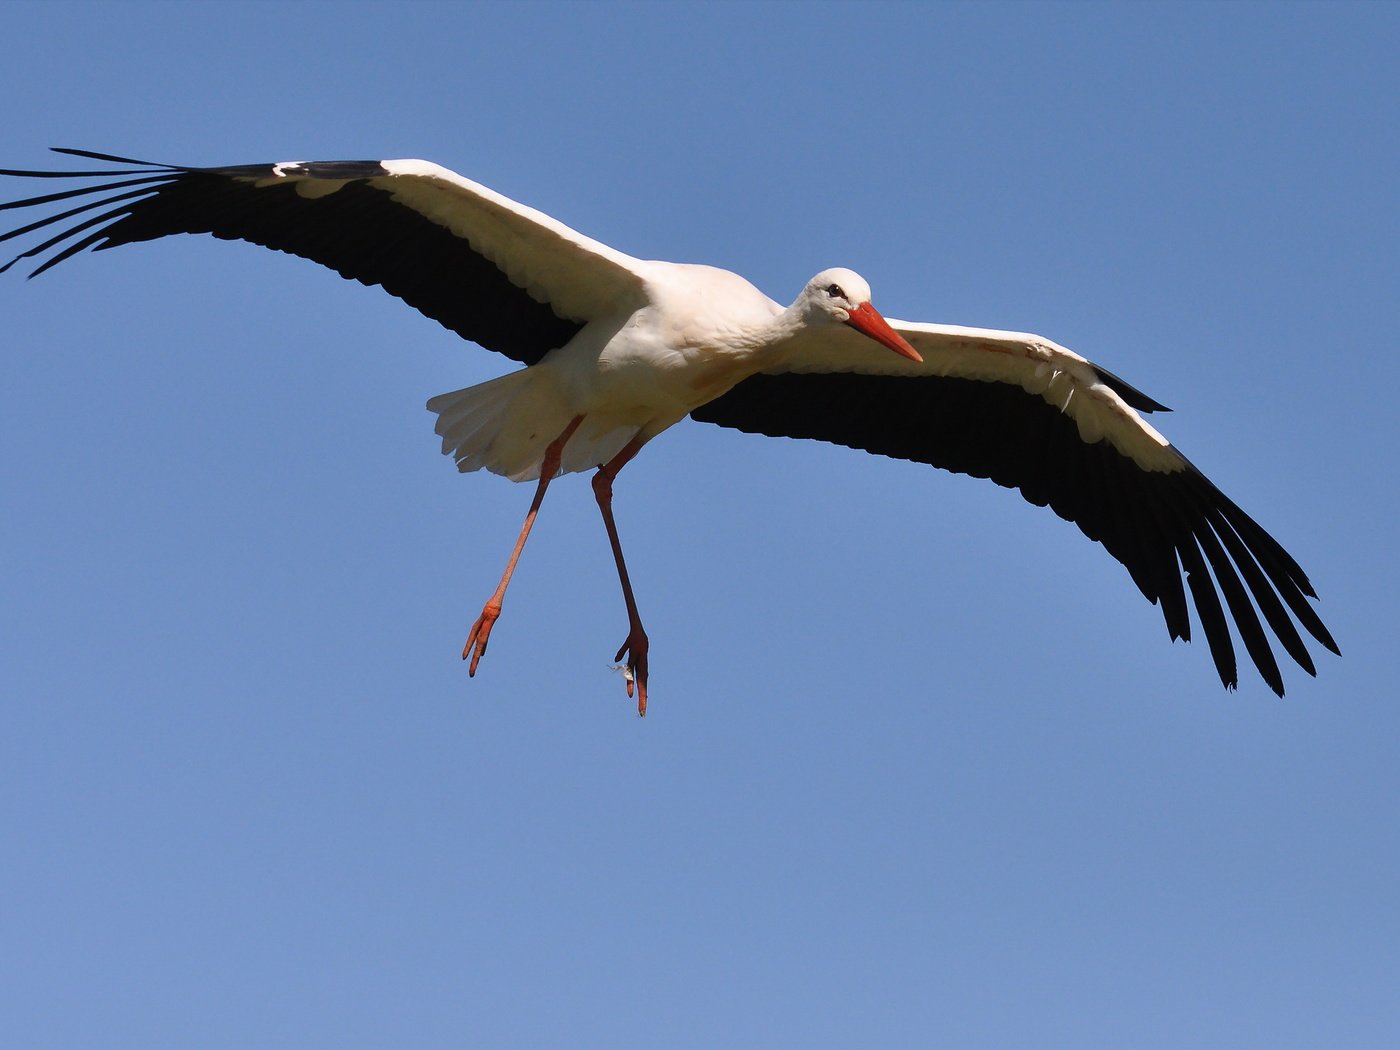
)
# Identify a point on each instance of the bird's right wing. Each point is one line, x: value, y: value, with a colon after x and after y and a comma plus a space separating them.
x: 494, y: 271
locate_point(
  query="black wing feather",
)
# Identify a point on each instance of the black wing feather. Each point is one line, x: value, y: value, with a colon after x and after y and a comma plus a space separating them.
x: 359, y: 231
x: 1160, y: 526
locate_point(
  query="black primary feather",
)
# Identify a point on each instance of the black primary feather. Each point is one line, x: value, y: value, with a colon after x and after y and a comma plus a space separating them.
x: 360, y: 231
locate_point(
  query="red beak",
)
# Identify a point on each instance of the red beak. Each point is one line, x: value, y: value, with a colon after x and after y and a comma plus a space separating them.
x: 867, y: 320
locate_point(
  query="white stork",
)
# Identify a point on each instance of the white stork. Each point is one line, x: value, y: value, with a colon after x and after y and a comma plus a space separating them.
x: 617, y: 349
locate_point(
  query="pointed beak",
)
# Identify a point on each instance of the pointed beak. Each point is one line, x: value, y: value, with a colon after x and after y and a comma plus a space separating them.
x: 866, y: 320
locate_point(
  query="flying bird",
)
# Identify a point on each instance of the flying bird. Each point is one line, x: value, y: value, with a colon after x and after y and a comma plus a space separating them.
x: 618, y: 349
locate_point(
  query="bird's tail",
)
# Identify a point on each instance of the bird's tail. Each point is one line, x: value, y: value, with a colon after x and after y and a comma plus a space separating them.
x: 480, y: 426
x: 504, y: 425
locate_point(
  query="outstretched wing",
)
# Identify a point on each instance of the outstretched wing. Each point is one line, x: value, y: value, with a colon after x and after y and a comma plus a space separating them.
x: 496, y: 272
x: 1034, y: 416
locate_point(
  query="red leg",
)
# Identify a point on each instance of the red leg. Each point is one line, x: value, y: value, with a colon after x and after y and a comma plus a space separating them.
x: 481, y: 630
x: 635, y: 647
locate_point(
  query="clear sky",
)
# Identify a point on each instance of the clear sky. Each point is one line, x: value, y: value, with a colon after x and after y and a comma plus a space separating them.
x: 921, y: 767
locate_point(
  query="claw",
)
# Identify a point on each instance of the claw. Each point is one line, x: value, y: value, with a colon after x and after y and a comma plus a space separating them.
x: 634, y: 671
x: 479, y: 636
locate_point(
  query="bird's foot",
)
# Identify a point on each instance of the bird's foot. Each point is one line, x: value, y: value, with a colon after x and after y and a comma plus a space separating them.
x: 480, y: 633
x: 634, y: 671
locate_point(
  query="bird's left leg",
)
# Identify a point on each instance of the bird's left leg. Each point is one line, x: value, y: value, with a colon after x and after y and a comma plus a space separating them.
x: 635, y: 647
x: 481, y: 630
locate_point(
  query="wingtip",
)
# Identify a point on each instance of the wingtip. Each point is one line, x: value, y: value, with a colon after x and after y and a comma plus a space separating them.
x: 111, y: 158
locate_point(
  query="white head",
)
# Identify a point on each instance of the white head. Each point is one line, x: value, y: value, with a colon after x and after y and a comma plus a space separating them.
x: 841, y: 296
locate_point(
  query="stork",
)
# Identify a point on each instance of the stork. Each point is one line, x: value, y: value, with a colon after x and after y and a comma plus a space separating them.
x: 618, y: 349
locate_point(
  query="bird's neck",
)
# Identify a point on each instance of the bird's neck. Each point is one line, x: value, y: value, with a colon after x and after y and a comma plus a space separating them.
x: 772, y: 337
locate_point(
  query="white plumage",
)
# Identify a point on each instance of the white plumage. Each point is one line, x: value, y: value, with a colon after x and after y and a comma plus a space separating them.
x: 618, y: 349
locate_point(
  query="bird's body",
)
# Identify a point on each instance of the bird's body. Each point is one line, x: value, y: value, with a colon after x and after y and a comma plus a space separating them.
x: 617, y: 349
x: 700, y: 331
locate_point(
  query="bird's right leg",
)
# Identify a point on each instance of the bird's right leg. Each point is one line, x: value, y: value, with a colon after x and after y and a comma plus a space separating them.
x: 636, y: 646
x: 481, y: 630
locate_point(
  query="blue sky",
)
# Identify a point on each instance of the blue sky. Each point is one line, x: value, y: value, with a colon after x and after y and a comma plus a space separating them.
x: 921, y: 767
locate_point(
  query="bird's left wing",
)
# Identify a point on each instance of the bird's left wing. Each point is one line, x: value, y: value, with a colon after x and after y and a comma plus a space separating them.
x: 1030, y: 414
x: 494, y: 271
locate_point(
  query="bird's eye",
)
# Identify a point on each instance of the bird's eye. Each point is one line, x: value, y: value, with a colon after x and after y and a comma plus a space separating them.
x: 835, y: 291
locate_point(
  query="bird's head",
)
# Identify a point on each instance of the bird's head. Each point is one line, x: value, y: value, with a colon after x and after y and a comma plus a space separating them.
x: 840, y: 296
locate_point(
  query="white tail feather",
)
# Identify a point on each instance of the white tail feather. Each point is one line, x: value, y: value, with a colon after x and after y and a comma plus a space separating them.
x: 504, y: 425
